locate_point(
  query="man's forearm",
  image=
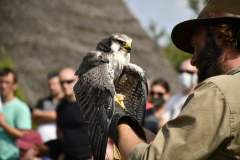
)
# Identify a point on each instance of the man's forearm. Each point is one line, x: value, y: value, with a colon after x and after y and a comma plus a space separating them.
x: 127, y: 139
x: 13, y: 132
x: 44, y: 116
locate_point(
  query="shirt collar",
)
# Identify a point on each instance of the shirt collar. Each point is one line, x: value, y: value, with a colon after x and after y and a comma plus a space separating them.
x: 234, y: 71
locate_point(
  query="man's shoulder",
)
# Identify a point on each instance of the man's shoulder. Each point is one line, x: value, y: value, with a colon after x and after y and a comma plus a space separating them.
x: 62, y: 103
x: 46, y: 103
x: 221, y: 78
x: 43, y: 99
x: 16, y: 101
x: 18, y: 105
x: 227, y: 85
x: 48, y: 98
x: 223, y: 81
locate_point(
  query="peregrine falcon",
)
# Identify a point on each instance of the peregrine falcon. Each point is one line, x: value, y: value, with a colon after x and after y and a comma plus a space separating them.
x: 107, y: 79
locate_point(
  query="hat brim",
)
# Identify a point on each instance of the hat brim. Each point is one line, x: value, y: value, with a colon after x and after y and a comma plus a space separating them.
x: 182, y: 33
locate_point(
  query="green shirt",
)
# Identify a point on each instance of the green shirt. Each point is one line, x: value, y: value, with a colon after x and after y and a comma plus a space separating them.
x: 207, y: 128
x: 17, y: 115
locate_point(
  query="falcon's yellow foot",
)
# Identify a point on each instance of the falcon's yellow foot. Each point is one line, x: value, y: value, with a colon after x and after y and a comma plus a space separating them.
x: 119, y: 98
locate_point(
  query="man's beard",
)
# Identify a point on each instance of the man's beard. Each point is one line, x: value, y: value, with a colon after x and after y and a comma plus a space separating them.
x: 208, y: 59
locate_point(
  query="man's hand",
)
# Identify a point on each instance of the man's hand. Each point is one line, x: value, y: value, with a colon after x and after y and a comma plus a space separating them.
x: 128, y: 139
x: 2, y: 119
x: 122, y: 115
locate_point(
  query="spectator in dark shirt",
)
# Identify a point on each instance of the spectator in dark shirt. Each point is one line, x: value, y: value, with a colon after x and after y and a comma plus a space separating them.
x: 44, y: 113
x: 72, y: 130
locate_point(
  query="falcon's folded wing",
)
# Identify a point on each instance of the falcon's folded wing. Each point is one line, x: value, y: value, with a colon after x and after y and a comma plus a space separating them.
x: 133, y: 85
x: 94, y: 92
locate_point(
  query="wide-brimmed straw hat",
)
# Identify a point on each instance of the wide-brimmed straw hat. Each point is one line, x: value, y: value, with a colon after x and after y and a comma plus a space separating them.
x: 226, y: 11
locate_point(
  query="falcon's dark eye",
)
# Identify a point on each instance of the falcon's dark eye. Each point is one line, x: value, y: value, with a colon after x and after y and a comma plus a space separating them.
x: 122, y: 43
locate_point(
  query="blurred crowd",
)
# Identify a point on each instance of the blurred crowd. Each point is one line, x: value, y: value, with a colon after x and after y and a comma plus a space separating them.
x: 53, y: 128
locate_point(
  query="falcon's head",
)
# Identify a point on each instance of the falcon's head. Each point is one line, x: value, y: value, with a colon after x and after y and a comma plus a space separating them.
x: 118, y: 46
x: 121, y: 42
x: 115, y: 43
x: 121, y: 46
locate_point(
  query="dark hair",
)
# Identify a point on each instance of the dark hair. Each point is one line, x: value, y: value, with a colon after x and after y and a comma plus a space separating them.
x: 6, y: 71
x: 162, y: 82
x: 53, y: 74
x: 226, y: 34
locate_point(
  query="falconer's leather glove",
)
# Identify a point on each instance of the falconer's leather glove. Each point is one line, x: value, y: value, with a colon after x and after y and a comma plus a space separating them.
x: 123, y: 115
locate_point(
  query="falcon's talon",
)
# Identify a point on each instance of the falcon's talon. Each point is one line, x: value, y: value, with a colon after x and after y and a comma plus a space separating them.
x: 119, y: 98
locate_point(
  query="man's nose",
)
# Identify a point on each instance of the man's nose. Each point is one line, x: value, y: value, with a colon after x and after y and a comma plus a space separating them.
x: 65, y: 85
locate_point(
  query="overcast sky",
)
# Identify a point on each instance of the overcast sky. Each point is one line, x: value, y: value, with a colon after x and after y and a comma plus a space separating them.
x: 166, y: 13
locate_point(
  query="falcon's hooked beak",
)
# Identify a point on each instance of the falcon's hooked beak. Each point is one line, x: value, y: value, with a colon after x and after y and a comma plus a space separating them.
x: 124, y: 41
x: 127, y: 47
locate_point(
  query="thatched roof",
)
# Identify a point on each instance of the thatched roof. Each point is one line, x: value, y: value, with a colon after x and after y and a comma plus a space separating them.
x: 43, y: 35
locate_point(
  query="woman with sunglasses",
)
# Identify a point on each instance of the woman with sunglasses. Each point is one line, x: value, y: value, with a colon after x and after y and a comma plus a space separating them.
x: 158, y: 96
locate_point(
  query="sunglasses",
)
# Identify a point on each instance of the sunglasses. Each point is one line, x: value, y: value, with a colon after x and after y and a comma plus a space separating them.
x: 159, y: 94
x: 186, y: 71
x: 67, y: 81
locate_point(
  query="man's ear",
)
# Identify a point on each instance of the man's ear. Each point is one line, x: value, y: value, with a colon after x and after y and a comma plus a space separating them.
x: 167, y: 96
x: 15, y: 86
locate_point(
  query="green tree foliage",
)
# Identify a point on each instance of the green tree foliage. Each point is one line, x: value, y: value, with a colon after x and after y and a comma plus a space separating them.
x: 5, y: 61
x: 174, y: 55
x: 156, y: 33
x: 196, y: 5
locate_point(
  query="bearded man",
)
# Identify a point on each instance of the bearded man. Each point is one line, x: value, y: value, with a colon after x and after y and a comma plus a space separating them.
x: 208, y: 126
